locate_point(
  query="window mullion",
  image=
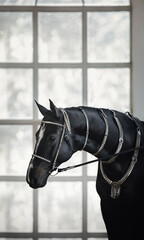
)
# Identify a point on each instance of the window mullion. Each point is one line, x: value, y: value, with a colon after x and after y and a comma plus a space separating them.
x: 35, y: 113
x: 84, y: 54
x: 84, y: 70
x: 35, y: 61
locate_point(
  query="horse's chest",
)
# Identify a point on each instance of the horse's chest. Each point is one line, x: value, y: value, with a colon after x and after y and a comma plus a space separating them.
x: 132, y: 188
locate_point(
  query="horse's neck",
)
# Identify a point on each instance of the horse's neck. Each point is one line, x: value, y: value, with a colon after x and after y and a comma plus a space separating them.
x: 97, y: 128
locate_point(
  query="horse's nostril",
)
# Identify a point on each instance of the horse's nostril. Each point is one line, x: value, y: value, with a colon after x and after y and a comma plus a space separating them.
x: 33, y: 183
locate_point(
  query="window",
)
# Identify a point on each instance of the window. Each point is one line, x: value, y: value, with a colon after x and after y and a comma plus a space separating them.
x: 75, y: 53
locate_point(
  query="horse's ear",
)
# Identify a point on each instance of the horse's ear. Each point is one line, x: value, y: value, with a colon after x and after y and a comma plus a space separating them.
x: 54, y: 110
x: 44, y: 111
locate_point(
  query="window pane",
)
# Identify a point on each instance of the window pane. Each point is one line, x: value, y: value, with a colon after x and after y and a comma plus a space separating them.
x: 95, y: 221
x: 15, y: 207
x: 59, y: 2
x: 60, y: 239
x: 86, y: 2
x: 91, y: 168
x: 15, y: 149
x: 17, y: 2
x: 60, y: 37
x: 109, y: 88
x: 16, y: 37
x: 108, y: 37
x: 107, y: 3
x: 15, y: 239
x: 16, y: 93
x: 97, y: 238
x: 60, y: 207
x: 62, y: 86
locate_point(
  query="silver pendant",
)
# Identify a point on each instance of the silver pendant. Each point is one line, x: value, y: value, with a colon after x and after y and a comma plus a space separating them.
x: 115, y: 190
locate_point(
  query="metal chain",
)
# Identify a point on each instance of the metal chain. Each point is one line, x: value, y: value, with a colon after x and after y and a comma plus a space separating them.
x: 87, y: 129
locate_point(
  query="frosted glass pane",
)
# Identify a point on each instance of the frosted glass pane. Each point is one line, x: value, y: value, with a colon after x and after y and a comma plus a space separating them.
x: 95, y: 220
x: 97, y: 238
x: 109, y: 88
x: 107, y: 3
x: 17, y: 2
x: 59, y: 2
x: 62, y: 86
x: 108, y: 37
x: 15, y: 238
x: 16, y: 37
x: 60, y: 207
x: 91, y: 168
x: 15, y: 207
x: 60, y: 239
x: 15, y: 149
x: 60, y: 37
x: 16, y: 93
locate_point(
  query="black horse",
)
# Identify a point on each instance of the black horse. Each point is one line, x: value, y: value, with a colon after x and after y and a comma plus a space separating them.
x: 101, y: 132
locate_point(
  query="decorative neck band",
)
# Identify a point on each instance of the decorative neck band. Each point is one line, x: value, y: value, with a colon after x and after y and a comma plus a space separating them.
x: 120, y: 142
x: 106, y: 132
x: 87, y: 128
x: 116, y: 185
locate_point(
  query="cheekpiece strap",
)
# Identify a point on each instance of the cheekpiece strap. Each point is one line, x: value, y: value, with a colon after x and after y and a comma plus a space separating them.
x: 66, y: 119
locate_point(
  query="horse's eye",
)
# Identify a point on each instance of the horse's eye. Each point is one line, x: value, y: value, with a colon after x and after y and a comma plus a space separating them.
x: 52, y: 138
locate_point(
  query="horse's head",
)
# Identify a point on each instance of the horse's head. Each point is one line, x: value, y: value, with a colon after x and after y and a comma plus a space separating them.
x: 53, y: 145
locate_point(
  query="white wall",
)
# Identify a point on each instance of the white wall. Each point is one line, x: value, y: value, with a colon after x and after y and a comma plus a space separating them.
x: 138, y: 58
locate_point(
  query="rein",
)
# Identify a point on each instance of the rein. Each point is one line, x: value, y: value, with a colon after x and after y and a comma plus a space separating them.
x: 59, y: 170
